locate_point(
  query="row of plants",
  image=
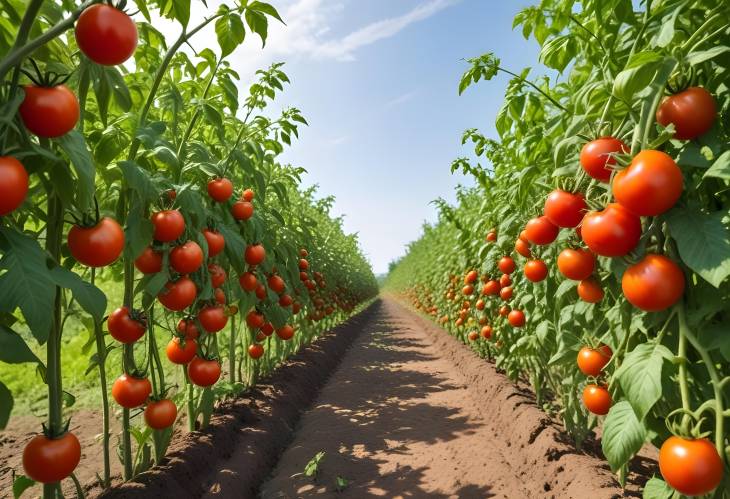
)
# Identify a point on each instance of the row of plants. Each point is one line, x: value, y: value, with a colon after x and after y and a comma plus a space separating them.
x: 136, y: 163
x: 591, y: 257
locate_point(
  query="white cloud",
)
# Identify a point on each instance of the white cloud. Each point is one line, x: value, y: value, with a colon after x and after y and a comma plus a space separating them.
x: 400, y: 99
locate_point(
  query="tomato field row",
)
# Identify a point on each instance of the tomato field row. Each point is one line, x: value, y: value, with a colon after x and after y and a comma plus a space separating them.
x: 592, y: 255
x: 142, y: 166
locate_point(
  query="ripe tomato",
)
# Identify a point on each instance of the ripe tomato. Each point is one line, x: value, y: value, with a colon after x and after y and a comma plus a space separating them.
x: 523, y: 248
x: 187, y: 328
x: 491, y: 288
x: 691, y: 467
x: 653, y: 284
x: 295, y: 308
x: 204, y: 372
x: 220, y: 296
x: 505, y: 280
x: 217, y: 275
x: 216, y: 242
x: 255, y: 351
x: 516, y: 318
x: 491, y: 236
x: 220, y: 189
x: 597, y: 155
x: 178, y: 295
x: 277, y: 284
x: 506, y: 265
x: 181, y: 352
x: 506, y: 293
x: 285, y: 332
x: 242, y: 210
x: 50, y: 460
x: 255, y: 319
x: 96, y: 246
x: 285, y: 300
x: 576, y: 264
x: 590, y: 291
x: 187, y: 258
x: 255, y: 254
x: 248, y: 281
x: 169, y: 225
x: 248, y: 195
x: 160, y: 415
x: 597, y: 399
x: 692, y: 111
x: 149, y: 262
x: 261, y: 292
x: 592, y: 361
x: 473, y: 336
x: 541, y: 231
x: 13, y: 184
x: 487, y: 332
x: 267, y: 329
x: 303, y: 276
x: 468, y: 289
x: 303, y: 264
x: 536, y: 270
x: 124, y: 327
x: 212, y: 318
x: 471, y: 277
x: 106, y: 35
x: 614, y: 231
x: 480, y: 305
x: 131, y: 392
x: 49, y: 112
x: 650, y: 185
x: 565, y: 209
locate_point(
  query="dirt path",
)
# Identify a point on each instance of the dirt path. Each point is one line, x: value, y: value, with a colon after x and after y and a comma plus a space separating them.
x: 399, y: 419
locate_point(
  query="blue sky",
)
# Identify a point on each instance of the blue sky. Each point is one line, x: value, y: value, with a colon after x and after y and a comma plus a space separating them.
x: 377, y: 81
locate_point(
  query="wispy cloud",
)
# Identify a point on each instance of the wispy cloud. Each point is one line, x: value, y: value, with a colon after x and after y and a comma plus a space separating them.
x: 338, y: 140
x: 400, y: 99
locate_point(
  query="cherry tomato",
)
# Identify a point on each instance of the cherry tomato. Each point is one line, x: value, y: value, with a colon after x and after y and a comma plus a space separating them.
x: 169, y: 225
x: 467, y: 290
x: 655, y: 283
x: 491, y: 288
x: 650, y: 185
x: 255, y: 254
x: 597, y: 155
x: 590, y: 291
x: 179, y: 352
x: 480, y: 305
x: 261, y: 292
x: 473, y: 336
x: 576, y: 264
x: 106, y: 35
x: 471, y: 277
x: 242, y: 210
x: 506, y: 293
x: 692, y: 111
x: 216, y: 242
x: 255, y: 351
x: 204, y: 372
x: 506, y: 265
x: 187, y: 258
x: 178, y: 295
x: 131, y: 392
x: 124, y: 327
x: 491, y: 236
x: 303, y: 264
x: 161, y: 414
x: 303, y: 253
x: 248, y: 281
x: 49, y: 112
x: 255, y: 319
x: 13, y: 184
x: 267, y: 329
x: 505, y: 280
x: 516, y: 318
x: 220, y: 189
x: 592, y: 361
x: 187, y: 328
x: 220, y: 296
x: 487, y: 332
x: 691, y: 467
x: 217, y: 275
x: 597, y: 399
x: 536, y: 270
x: 614, y: 231
x: 149, y: 262
x: 285, y: 300
x: 96, y: 246
x: 248, y: 195
x: 50, y: 460
x: 285, y: 332
x: 213, y: 319
x: 523, y: 248
x: 277, y: 285
x: 565, y: 209
x: 541, y: 231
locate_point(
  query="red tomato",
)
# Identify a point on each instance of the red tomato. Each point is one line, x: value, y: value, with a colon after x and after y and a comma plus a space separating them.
x: 216, y: 242
x: 480, y: 305
x: 242, y: 210
x: 590, y: 291
x: 255, y: 351
x: 13, y: 184
x: 255, y: 254
x: 149, y: 262
x: 597, y: 155
x: 187, y: 328
x: 217, y: 275
x: 487, y: 332
x: 691, y: 467
x: 96, y: 246
x: 160, y: 415
x: 692, y: 111
x: 248, y: 281
x: 50, y: 460
x: 248, y: 195
x: 285, y: 300
x: 124, y: 327
x: 614, y: 231
x: 267, y: 329
x: 255, y: 319
x: 303, y: 264
x: 285, y: 332
x: 536, y: 270
x: 505, y: 280
x: 506, y: 265
x: 277, y: 284
x: 650, y: 185
x: 473, y: 336
x: 592, y: 361
x: 576, y: 264
x: 169, y: 225
x: 213, y: 319
x: 181, y: 352
x: 295, y: 308
x: 565, y: 209
x: 506, y: 293
x: 187, y: 258
x: 106, y: 35
x: 523, y: 248
x: 178, y: 295
x: 516, y: 318
x: 261, y: 292
x: 204, y: 372
x: 541, y: 231
x: 303, y: 253
x: 220, y: 189
x: 491, y: 288
x: 597, y: 399
x: 49, y: 112
x: 131, y: 392
x: 220, y: 296
x: 654, y: 284
x: 471, y: 277
x: 468, y: 289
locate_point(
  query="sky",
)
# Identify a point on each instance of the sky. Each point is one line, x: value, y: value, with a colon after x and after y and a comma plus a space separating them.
x: 377, y: 81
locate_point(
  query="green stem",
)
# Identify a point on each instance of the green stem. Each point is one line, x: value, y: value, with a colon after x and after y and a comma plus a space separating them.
x: 192, y: 415
x: 126, y: 445
x: 23, y: 32
x: 101, y: 361
x: 682, y: 355
x: 695, y: 39
x: 232, y: 351
x: 528, y: 82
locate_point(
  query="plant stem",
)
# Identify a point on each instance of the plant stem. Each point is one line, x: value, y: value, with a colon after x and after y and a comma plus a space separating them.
x: 682, y: 355
x: 528, y: 82
x: 232, y: 351
x: 101, y: 361
x: 126, y: 445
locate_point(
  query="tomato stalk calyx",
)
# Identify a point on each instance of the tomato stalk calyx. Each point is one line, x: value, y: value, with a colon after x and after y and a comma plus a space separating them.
x: 47, y: 79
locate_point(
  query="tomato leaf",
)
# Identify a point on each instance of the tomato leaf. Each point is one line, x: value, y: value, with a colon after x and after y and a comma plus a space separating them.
x: 721, y: 167
x: 637, y: 75
x: 640, y: 376
x: 21, y: 484
x: 657, y: 488
x: 74, y: 146
x: 13, y: 349
x: 701, y: 56
x: 91, y: 298
x: 623, y: 435
x: 230, y: 32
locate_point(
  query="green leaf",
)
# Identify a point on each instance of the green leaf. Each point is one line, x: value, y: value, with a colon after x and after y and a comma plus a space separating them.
x: 74, y: 145
x: 230, y: 32
x: 91, y: 298
x: 720, y: 168
x: 640, y: 376
x: 138, y: 232
x: 657, y: 488
x: 21, y: 484
x: 6, y: 405
x: 138, y: 180
x: 623, y: 435
x: 703, y: 242
x: 13, y: 349
x: 558, y: 52
x: 705, y: 55
x: 637, y: 75
x: 265, y: 8
x: 258, y: 24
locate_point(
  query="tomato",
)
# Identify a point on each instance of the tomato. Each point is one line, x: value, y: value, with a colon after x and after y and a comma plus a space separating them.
x: 220, y: 296
x: 50, y: 460
x: 597, y: 399
x: 655, y: 283
x: 516, y: 318
x: 303, y: 276
x: 285, y: 300
x: 303, y: 253
x: 13, y: 184
x: 506, y: 293
x: 203, y: 372
x: 187, y: 328
x: 536, y: 270
x: 149, y: 262
x: 491, y: 288
x: 473, y: 336
x: 523, y: 248
x: 261, y: 293
x: 487, y: 332
x: 303, y: 264
x: 255, y: 319
x: 690, y: 466
x: 506, y: 265
x: 277, y: 284
x: 220, y: 189
x: 124, y: 327
x: 169, y: 225
x: 212, y: 318
x: 242, y: 210
x: 592, y: 361
x: 217, y: 275
x: 467, y: 290
x: 96, y: 246
x: 541, y: 231
x: 692, y: 111
x: 590, y: 291
x: 248, y: 281
x: 131, y: 392
x: 49, y: 112
x: 295, y: 308
x: 480, y: 305
x: 471, y: 277
x: 505, y: 280
x: 491, y: 236
x: 650, y: 185
x: 614, y: 231
x: 216, y: 242
x: 597, y: 155
x: 178, y: 295
x: 187, y: 258
x: 248, y: 195
x: 255, y: 351
x: 267, y: 329
x: 565, y: 209
x: 160, y: 415
x: 106, y: 35
x: 285, y: 332
x: 576, y: 264
x: 255, y: 254
x: 181, y: 352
